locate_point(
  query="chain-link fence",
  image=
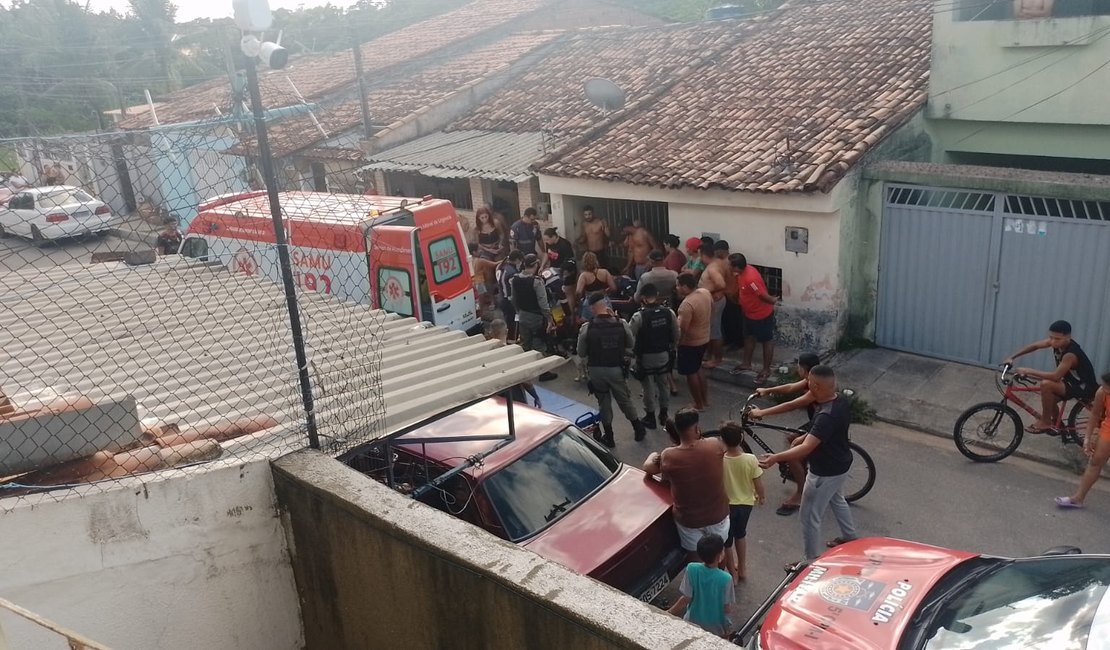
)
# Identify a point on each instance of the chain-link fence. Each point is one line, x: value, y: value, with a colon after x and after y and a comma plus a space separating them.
x: 144, y: 321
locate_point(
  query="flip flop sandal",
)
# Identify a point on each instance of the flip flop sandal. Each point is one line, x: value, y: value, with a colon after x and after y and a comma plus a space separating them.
x: 737, y: 370
x: 837, y: 541
x: 787, y: 510
x: 1037, y: 430
x: 1068, y: 502
x: 761, y: 379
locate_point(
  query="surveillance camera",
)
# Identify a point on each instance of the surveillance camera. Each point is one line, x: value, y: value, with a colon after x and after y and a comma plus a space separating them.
x: 273, y: 55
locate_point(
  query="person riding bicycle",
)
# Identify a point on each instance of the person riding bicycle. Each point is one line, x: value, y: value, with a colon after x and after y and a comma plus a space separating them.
x: 1073, y: 378
x: 805, y: 363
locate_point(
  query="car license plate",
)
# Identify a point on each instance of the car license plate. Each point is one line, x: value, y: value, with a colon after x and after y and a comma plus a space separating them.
x: 655, y: 589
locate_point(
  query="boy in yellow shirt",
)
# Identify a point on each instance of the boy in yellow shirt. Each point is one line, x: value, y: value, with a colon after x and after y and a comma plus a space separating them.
x: 744, y: 489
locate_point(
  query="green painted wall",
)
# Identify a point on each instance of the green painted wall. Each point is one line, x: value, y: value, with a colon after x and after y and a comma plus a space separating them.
x: 1021, y: 87
x: 861, y: 217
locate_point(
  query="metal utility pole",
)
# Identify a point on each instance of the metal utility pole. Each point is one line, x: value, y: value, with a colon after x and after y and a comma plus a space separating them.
x: 270, y: 178
x: 363, y: 102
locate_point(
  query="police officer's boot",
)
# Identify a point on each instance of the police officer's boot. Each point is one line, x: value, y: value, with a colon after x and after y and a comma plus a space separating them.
x: 649, y: 421
x: 663, y: 416
x: 607, y: 439
x: 638, y: 428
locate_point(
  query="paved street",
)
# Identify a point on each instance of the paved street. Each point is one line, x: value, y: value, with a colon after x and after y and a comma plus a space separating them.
x: 926, y: 491
x: 16, y: 253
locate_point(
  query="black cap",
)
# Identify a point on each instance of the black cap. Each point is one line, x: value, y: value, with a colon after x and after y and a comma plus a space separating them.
x: 531, y: 260
x: 649, y: 291
x: 656, y: 256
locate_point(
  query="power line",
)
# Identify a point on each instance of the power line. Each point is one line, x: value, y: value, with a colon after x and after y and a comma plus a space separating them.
x: 1038, y: 102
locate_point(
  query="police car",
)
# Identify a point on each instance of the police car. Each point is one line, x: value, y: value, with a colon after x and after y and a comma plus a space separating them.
x: 890, y: 594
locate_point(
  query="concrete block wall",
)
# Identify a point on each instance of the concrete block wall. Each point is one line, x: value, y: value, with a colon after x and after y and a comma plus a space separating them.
x: 175, y: 561
x: 376, y: 569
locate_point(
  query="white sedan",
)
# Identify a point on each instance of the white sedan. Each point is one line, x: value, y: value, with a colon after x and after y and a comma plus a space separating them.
x: 45, y: 213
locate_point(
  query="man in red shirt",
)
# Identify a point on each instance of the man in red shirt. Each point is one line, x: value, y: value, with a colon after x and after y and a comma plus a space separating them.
x: 759, y: 315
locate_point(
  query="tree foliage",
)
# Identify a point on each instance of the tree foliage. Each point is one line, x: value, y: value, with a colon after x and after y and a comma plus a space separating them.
x: 64, y: 65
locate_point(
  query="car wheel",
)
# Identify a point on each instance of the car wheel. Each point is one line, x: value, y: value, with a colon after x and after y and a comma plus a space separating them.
x: 36, y: 236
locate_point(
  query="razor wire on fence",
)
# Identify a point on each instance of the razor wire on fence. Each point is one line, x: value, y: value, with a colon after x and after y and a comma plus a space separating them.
x: 143, y: 320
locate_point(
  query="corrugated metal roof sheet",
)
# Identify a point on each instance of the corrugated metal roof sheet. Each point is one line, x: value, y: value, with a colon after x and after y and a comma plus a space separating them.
x: 197, y: 344
x: 465, y: 154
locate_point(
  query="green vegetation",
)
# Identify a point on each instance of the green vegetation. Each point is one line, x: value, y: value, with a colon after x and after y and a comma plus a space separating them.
x: 854, y: 343
x: 8, y: 162
x: 64, y: 65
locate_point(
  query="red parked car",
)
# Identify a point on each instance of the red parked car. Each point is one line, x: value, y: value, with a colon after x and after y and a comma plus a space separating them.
x: 890, y: 594
x: 552, y: 489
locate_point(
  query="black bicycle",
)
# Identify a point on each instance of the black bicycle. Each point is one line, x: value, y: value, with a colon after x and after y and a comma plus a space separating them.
x: 861, y: 477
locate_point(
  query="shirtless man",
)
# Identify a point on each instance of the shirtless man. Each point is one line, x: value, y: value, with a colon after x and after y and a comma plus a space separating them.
x: 639, y: 243
x: 595, y: 235
x: 714, y: 280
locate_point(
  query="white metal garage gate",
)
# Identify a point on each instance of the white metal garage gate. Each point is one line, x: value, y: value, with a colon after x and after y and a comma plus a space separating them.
x: 972, y: 276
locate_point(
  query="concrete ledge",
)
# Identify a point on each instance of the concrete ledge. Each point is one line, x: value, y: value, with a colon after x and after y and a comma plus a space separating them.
x: 376, y: 569
x: 1061, y: 185
x: 131, y: 235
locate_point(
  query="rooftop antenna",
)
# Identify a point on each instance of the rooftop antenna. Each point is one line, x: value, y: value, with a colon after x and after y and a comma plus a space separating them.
x: 604, y: 94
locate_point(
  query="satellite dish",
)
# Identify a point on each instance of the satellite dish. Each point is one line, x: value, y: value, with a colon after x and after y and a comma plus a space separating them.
x: 604, y: 94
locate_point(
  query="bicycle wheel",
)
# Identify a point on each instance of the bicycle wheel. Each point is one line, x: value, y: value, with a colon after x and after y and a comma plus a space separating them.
x: 861, y: 477
x: 1078, y: 418
x: 981, y: 433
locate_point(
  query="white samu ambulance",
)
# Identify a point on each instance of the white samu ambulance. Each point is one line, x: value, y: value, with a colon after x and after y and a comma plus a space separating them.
x: 406, y: 256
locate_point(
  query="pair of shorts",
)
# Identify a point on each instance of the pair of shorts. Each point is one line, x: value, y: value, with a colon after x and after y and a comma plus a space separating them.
x: 688, y: 359
x: 762, y: 330
x: 738, y: 516
x: 689, y: 537
x: 1079, y: 392
x: 716, y: 331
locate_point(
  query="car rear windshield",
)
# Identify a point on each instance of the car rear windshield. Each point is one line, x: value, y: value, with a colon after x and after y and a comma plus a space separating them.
x: 63, y: 197
x: 549, y: 481
x: 1041, y: 603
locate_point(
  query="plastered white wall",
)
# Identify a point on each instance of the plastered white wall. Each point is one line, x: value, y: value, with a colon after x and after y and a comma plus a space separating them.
x: 193, y: 561
x: 809, y: 280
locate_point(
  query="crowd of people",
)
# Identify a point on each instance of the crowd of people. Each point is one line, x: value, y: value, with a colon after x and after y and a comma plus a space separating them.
x: 676, y: 325
x: 715, y: 483
x: 545, y: 293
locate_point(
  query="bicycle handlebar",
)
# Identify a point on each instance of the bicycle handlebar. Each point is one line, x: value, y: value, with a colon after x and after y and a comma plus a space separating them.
x: 748, y: 406
x: 1021, y: 379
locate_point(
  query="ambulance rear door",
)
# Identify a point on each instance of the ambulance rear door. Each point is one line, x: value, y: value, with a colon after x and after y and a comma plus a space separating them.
x: 395, y: 277
x: 445, y: 261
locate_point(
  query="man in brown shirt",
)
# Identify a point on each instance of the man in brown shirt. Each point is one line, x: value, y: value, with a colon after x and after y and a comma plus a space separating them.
x: 694, y: 315
x: 695, y: 471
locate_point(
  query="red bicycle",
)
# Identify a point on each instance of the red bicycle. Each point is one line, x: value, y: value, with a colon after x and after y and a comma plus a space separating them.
x: 980, y: 432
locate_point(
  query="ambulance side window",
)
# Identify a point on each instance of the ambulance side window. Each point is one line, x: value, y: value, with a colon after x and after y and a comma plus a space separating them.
x: 395, y: 291
x: 195, y: 248
x: 446, y: 263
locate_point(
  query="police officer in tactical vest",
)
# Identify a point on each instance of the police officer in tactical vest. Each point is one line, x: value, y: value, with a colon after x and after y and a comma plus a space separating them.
x: 606, y: 344
x: 529, y: 297
x: 655, y: 328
